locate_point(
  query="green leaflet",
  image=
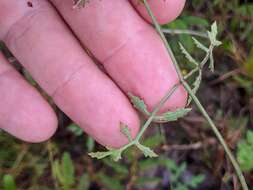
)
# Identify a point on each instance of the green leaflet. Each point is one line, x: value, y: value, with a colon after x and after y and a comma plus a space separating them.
x: 9, y: 182
x: 139, y: 104
x: 196, y: 85
x: 115, y: 154
x: 214, y: 43
x: 200, y: 45
x: 146, y: 151
x: 212, y: 35
x: 187, y: 55
x: 126, y: 131
x: 64, y: 171
x: 172, y: 116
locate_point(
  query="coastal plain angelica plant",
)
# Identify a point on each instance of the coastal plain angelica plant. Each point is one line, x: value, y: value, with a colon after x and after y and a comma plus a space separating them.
x: 140, y: 105
x: 116, y: 154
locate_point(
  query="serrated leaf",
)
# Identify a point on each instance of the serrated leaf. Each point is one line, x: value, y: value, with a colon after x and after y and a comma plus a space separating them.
x: 115, y: 154
x: 126, y: 131
x: 187, y: 55
x: 213, y: 35
x: 214, y: 29
x: 172, y: 116
x: 200, y: 45
x: 197, y: 82
x: 100, y: 155
x: 146, y: 151
x: 139, y: 104
x: 196, y: 85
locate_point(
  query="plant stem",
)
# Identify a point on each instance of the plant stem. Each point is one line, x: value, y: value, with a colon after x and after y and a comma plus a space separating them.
x: 154, y: 112
x: 190, y: 32
x: 195, y: 99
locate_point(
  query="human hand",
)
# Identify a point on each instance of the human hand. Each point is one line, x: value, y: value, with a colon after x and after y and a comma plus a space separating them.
x: 51, y: 48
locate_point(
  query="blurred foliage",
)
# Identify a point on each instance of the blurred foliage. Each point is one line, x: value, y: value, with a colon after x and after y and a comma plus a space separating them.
x: 189, y: 157
x: 245, y: 152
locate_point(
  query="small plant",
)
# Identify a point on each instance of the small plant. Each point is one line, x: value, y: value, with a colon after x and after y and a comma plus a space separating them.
x: 245, y: 152
x: 116, y: 154
x: 177, y: 171
x: 140, y: 105
x: 9, y: 182
x: 64, y: 173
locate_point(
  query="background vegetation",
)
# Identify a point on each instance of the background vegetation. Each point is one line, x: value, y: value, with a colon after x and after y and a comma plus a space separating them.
x: 190, y: 156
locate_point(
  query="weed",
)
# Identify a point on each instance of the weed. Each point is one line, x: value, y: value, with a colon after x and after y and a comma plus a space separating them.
x: 245, y: 152
x: 116, y: 154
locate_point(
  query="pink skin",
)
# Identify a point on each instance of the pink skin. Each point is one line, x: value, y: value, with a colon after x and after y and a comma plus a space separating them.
x: 162, y: 9
x: 18, y: 115
x: 129, y: 48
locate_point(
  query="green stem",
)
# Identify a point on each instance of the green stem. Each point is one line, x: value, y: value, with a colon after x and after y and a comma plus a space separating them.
x: 190, y: 32
x: 197, y: 102
x: 157, y: 108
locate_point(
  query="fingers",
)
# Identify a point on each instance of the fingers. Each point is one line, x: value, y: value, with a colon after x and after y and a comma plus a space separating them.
x: 44, y: 45
x: 129, y: 48
x: 164, y: 10
x: 23, y: 112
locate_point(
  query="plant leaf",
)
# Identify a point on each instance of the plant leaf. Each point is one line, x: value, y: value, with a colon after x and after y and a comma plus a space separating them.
x: 213, y: 35
x: 146, y: 151
x: 172, y: 116
x: 9, y: 182
x: 84, y: 182
x: 75, y: 129
x: 68, y: 169
x: 117, y: 167
x: 196, y: 85
x: 139, y: 104
x: 196, y: 181
x: 109, y: 182
x: 57, y: 171
x: 200, y: 45
x: 126, y: 131
x: 100, y: 155
x: 115, y: 154
x: 187, y: 55
x: 249, y: 137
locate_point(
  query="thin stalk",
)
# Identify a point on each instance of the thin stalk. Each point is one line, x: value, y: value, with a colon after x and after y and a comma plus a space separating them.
x: 151, y: 117
x: 190, y: 32
x: 157, y: 108
x: 196, y: 101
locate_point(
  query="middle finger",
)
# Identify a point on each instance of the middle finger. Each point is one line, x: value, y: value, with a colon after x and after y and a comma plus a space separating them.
x: 127, y: 46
